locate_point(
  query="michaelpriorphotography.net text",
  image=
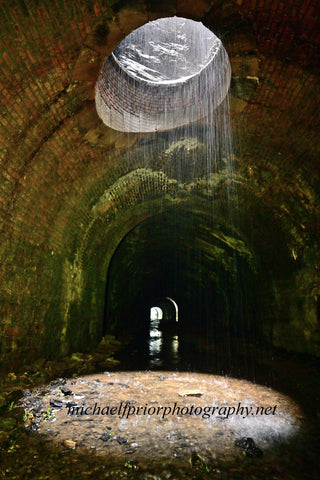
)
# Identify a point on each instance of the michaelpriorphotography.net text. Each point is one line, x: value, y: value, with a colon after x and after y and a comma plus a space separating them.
x: 126, y: 410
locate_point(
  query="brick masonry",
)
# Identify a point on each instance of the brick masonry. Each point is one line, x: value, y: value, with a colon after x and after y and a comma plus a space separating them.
x: 57, y: 159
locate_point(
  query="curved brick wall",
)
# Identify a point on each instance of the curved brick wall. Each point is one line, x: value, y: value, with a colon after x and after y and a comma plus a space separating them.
x: 70, y: 193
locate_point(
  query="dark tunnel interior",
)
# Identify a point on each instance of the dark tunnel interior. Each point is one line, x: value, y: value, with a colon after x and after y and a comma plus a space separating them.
x: 217, y: 286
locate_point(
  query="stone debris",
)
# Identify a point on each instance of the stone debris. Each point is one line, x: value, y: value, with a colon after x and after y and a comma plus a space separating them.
x: 250, y: 448
x: 65, y: 390
x: 121, y: 440
x: 69, y: 443
x: 54, y: 402
x: 190, y: 393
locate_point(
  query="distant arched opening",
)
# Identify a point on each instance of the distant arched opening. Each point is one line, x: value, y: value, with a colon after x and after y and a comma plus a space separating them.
x: 165, y: 311
x: 156, y: 313
x: 163, y: 335
x: 176, y: 308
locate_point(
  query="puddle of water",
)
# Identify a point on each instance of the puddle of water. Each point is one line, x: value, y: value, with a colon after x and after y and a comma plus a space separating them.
x: 163, y: 347
x: 176, y: 415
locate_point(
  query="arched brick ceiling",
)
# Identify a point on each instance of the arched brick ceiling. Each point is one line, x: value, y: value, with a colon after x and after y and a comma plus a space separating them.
x: 58, y: 159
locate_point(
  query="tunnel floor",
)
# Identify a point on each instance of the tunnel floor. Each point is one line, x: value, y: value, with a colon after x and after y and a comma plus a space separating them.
x: 49, y: 443
x: 128, y: 416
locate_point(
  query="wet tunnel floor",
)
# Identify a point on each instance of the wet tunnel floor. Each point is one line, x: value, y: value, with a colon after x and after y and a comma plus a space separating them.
x: 56, y: 445
x: 176, y: 415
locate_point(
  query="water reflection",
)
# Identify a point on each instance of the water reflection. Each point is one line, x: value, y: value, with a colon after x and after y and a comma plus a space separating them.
x: 155, y: 344
x: 163, y: 346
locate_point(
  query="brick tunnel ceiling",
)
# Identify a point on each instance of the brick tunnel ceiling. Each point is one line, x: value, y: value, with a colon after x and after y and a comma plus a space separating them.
x: 70, y: 193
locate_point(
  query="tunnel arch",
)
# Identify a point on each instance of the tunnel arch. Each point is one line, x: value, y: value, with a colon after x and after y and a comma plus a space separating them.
x: 58, y: 160
x: 138, y: 197
x: 138, y: 268
x: 156, y: 313
x: 169, y: 310
x: 175, y: 307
